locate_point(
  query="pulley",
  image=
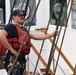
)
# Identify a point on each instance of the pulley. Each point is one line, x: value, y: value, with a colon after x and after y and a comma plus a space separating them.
x: 57, y: 9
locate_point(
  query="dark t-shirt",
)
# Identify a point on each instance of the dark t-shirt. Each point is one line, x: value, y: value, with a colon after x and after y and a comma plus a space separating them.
x: 11, y: 30
x: 12, y: 33
x: 13, y: 39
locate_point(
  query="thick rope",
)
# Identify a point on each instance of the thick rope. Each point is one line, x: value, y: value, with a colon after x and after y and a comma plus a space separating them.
x: 23, y: 40
x: 44, y: 40
x: 12, y: 10
x: 52, y: 52
x: 20, y: 46
x: 61, y: 28
x: 63, y: 37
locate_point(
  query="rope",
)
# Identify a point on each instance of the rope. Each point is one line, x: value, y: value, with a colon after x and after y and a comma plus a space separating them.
x: 23, y: 40
x: 20, y: 46
x: 52, y: 51
x: 63, y: 37
x: 44, y: 40
x: 60, y: 67
x: 61, y: 27
x: 23, y: 4
x: 12, y: 10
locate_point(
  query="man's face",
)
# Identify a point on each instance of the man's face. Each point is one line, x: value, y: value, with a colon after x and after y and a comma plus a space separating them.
x: 19, y: 19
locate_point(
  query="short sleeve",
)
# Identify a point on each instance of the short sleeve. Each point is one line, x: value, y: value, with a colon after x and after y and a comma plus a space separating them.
x: 9, y: 29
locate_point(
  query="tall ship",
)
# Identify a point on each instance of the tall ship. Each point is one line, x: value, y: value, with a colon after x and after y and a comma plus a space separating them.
x: 56, y: 55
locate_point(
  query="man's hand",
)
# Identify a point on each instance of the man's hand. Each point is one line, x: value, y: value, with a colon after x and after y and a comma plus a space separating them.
x: 55, y: 32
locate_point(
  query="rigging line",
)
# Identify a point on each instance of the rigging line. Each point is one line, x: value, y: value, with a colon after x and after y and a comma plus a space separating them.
x: 44, y: 40
x: 12, y: 10
x: 23, y: 4
x: 32, y: 8
x: 34, y: 65
x: 51, y: 53
x: 23, y: 40
x: 19, y: 48
x: 61, y: 26
x: 34, y: 15
x: 30, y: 22
x: 35, y: 11
x: 26, y: 6
x: 63, y: 37
x: 74, y: 73
x: 60, y: 67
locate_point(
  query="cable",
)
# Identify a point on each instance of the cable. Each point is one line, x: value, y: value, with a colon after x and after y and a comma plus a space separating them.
x: 52, y: 51
x: 23, y: 41
x: 44, y: 40
x: 63, y: 37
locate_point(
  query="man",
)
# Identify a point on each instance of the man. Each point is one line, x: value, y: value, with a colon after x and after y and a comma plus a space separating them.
x: 12, y: 36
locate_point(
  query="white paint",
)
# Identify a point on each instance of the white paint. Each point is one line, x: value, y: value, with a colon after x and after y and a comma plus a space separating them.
x: 42, y: 15
x: 69, y: 45
x: 7, y: 10
x: 3, y: 72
